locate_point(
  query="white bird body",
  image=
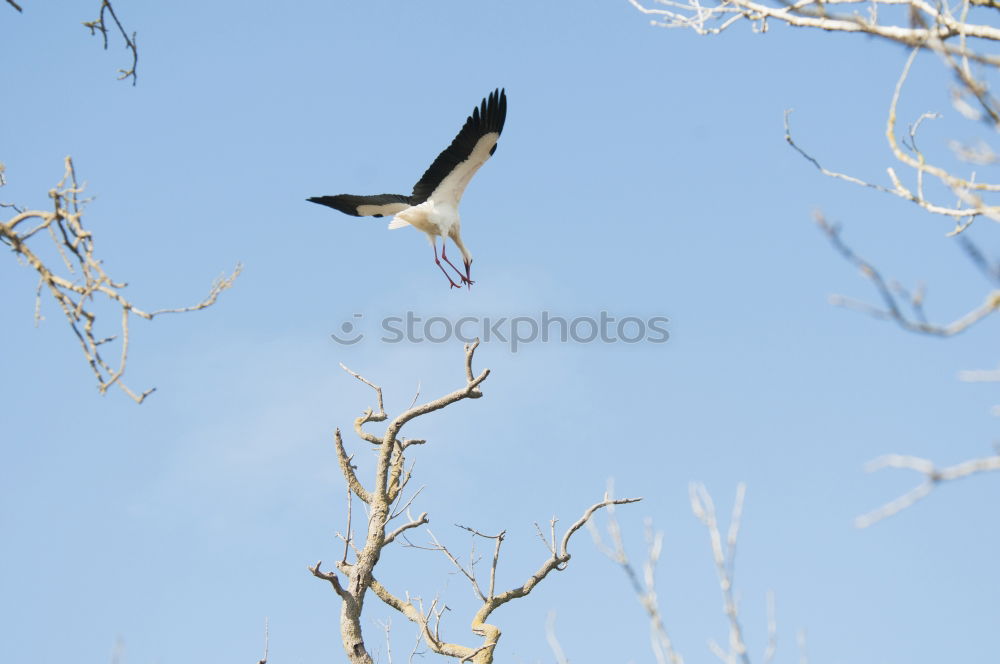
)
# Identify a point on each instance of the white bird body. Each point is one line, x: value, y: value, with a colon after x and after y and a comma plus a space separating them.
x: 433, y: 205
x: 437, y: 219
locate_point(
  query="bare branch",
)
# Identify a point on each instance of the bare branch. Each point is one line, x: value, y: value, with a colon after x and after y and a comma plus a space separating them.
x: 347, y: 469
x: 419, y: 521
x: 551, y: 547
x: 933, y: 476
x: 724, y: 556
x: 892, y: 309
x: 416, y: 395
x: 963, y: 187
x: 263, y: 660
x: 332, y: 578
x: 555, y: 562
x: 496, y: 553
x: 369, y: 415
x: 470, y: 391
x: 405, y: 506
x: 469, y: 573
x: 490, y: 600
x: 800, y: 639
x: 99, y: 25
x: 772, y: 630
x: 980, y: 375
x: 989, y: 268
x: 645, y: 589
x: 550, y: 636
x: 387, y: 628
x: 349, y: 531
x: 75, y: 294
x: 422, y: 620
x: 378, y: 391
x: 821, y: 168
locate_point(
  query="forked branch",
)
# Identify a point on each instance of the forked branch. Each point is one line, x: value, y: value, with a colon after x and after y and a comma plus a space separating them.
x: 491, y: 600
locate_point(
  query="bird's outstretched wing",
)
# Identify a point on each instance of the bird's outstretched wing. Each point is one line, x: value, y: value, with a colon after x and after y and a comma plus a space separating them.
x: 378, y: 205
x: 450, y: 173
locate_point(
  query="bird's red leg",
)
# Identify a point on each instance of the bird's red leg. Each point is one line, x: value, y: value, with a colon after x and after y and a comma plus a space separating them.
x: 436, y: 260
x: 464, y: 277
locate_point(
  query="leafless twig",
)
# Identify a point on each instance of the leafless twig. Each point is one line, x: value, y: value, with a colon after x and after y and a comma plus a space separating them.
x: 99, y: 25
x: 553, y: 639
x: 892, y: 308
x: 644, y: 586
x: 263, y: 660
x: 800, y: 639
x: 772, y: 630
x: 724, y: 556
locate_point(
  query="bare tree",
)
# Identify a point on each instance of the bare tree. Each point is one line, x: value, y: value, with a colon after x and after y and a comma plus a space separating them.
x: 963, y: 35
x: 385, y: 502
x: 85, y: 279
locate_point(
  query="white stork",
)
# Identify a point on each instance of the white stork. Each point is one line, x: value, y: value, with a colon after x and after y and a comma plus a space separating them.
x: 433, y: 205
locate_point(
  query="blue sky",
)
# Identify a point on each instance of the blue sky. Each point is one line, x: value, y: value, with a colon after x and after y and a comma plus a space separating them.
x: 641, y: 172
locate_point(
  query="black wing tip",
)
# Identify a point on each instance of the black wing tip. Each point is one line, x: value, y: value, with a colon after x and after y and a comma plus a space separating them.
x: 351, y: 203
x: 493, y: 111
x: 322, y: 200
x: 337, y: 202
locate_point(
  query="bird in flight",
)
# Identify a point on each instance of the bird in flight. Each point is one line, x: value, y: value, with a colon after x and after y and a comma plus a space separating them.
x: 433, y: 205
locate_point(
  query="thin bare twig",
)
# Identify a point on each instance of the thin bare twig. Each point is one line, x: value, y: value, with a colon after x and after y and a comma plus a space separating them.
x: 643, y: 586
x: 99, y: 25
x: 263, y: 660
x: 772, y: 630
x: 724, y: 556
x: 550, y: 636
x: 892, y: 309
